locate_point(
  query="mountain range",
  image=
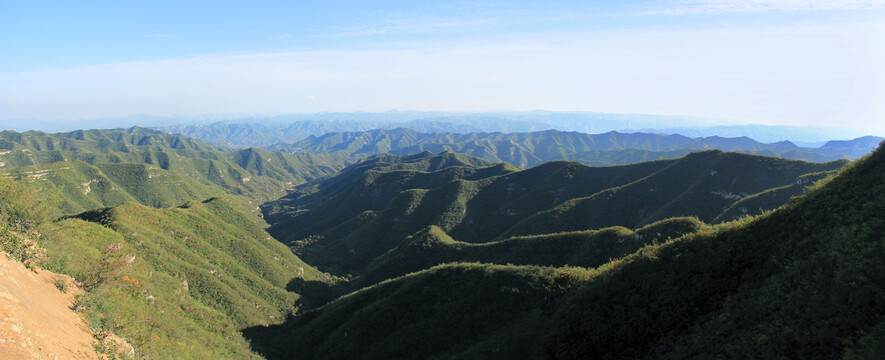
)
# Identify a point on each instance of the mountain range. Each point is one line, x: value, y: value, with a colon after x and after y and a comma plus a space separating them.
x: 533, y: 148
x: 266, y: 131
x: 349, y: 248
x: 801, y: 281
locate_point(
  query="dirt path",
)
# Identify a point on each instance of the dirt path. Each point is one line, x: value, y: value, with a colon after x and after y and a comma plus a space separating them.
x: 36, y: 321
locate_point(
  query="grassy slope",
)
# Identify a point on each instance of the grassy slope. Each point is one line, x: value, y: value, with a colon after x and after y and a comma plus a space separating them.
x: 177, y: 282
x: 256, y: 173
x: 83, y: 186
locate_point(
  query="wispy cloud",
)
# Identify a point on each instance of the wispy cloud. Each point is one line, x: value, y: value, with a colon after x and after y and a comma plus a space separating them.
x: 809, y: 75
x: 281, y: 37
x: 745, y: 6
x: 413, y: 26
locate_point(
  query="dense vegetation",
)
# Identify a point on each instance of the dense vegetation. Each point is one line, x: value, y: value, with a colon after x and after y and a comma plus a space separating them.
x: 802, y: 281
x: 343, y: 223
x: 181, y: 279
x: 172, y: 259
x: 447, y: 255
x: 256, y: 173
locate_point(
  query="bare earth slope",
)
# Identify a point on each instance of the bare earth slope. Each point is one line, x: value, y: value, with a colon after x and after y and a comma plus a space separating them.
x: 36, y: 321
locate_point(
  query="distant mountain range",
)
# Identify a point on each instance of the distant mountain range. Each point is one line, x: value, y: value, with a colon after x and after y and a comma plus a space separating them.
x: 533, y: 148
x: 267, y: 131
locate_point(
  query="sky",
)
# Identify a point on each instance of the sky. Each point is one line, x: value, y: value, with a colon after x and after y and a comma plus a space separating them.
x: 785, y: 62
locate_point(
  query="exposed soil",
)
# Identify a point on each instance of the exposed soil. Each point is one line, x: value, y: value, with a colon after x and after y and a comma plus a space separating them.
x: 36, y: 319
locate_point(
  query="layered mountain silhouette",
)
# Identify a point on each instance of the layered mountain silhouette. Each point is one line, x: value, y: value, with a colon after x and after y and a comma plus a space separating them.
x: 533, y: 148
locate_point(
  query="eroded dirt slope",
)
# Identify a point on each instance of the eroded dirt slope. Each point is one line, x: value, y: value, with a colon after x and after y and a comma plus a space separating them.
x: 36, y: 320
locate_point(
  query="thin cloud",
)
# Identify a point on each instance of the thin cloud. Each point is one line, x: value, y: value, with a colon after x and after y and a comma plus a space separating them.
x: 412, y: 27
x: 280, y: 37
x: 747, y: 6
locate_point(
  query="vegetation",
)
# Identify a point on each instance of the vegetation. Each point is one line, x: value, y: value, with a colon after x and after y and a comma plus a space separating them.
x: 449, y: 255
x: 345, y: 222
x: 177, y: 282
x: 588, y: 248
x: 534, y: 148
x: 256, y: 173
x: 801, y: 281
x: 449, y: 311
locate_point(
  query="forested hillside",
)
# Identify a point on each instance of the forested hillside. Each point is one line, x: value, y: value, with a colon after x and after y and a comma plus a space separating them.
x: 802, y: 281
x: 256, y: 173
x: 179, y: 253
x: 343, y: 223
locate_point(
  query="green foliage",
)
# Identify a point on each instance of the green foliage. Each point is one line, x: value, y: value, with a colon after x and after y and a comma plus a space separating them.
x: 344, y: 223
x: 449, y: 311
x: 701, y: 184
x: 177, y: 282
x: 802, y: 281
x: 588, y: 248
x: 255, y: 173
x: 20, y: 210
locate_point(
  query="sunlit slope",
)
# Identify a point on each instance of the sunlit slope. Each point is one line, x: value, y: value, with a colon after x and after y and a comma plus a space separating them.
x: 82, y: 186
x: 256, y: 173
x: 178, y: 282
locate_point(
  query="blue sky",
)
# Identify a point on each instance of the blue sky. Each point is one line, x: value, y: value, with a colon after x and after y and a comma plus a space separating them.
x: 815, y: 62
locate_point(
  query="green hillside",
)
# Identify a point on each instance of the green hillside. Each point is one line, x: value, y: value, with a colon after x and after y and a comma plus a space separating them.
x: 450, y: 311
x: 369, y: 185
x: 361, y: 218
x: 82, y: 186
x: 588, y: 248
x: 803, y: 281
x: 702, y: 184
x: 757, y: 204
x: 256, y: 173
x: 177, y: 282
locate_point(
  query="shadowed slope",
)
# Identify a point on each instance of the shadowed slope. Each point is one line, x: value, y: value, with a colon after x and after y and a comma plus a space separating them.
x: 803, y: 281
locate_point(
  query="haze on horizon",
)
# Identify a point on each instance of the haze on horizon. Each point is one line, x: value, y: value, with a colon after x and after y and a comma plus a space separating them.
x: 786, y: 62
